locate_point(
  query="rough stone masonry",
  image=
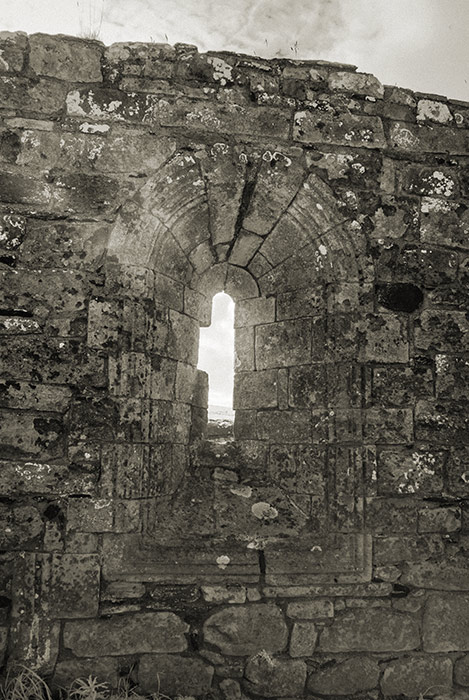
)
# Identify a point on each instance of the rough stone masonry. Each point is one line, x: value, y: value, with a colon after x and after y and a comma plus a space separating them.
x: 323, y: 551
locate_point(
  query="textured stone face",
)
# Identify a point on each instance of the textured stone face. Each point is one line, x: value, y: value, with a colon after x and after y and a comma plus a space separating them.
x: 142, y: 633
x: 413, y: 675
x: 272, y: 677
x: 243, y: 631
x: 174, y: 675
x: 347, y: 677
x: 445, y: 624
x: 371, y: 630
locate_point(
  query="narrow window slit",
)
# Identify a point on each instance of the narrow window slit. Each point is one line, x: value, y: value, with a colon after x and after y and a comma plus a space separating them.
x: 216, y: 357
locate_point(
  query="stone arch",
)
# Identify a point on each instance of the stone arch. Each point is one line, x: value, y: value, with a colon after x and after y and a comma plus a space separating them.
x: 269, y: 231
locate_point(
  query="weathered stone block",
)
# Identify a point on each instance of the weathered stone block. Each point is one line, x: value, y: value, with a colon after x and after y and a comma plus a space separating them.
x: 303, y: 640
x: 389, y: 425
x: 307, y: 386
x: 452, y: 377
x: 357, y: 83
x: 272, y: 677
x: 300, y: 303
x: 106, y: 670
x: 140, y: 633
x: 443, y: 222
x: 442, y: 573
x: 386, y: 339
x: 284, y: 426
x: 244, y: 349
x: 13, y: 46
x: 345, y: 677
x: 399, y: 386
x: 442, y: 422
x: 440, y: 519
x: 417, y: 674
x: 241, y: 631
x: 419, y: 472
x: 370, y: 630
x: 58, y: 57
x: 224, y: 594
x: 446, y: 622
x: 442, y: 330
x: 253, y: 312
x: 461, y: 670
x: 283, y: 344
x: 300, y: 469
x: 458, y: 473
x: 385, y: 515
x: 311, y: 609
x: 174, y: 675
x: 256, y: 389
x: 434, y: 111
x: 392, y: 549
x: 44, y: 97
x: 349, y: 130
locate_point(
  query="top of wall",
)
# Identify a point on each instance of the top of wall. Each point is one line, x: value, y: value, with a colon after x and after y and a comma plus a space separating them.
x: 51, y: 77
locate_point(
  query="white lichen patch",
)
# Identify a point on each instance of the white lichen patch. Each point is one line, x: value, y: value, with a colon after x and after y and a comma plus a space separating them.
x: 87, y: 128
x: 3, y: 64
x: 242, y: 491
x: 441, y: 364
x: 440, y: 184
x: 404, y: 138
x: 423, y: 466
x: 223, y: 561
x: 432, y: 204
x: 434, y: 111
x: 16, y: 324
x: 264, y: 511
x: 222, y: 71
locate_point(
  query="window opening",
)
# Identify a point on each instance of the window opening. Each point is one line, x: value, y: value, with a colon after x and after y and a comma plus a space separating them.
x: 216, y: 357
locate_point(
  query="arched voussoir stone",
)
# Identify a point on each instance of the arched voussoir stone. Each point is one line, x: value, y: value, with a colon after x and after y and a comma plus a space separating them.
x: 231, y: 279
x: 280, y: 215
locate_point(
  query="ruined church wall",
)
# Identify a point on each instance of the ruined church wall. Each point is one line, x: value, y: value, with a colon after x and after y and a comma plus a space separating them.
x: 323, y: 551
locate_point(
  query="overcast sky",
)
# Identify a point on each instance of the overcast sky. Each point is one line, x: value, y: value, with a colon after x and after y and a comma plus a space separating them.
x: 419, y: 44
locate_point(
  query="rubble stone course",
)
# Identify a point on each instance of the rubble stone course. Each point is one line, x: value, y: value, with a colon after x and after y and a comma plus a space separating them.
x: 321, y: 549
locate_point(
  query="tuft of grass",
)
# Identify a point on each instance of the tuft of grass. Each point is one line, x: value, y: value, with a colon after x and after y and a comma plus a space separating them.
x: 91, y: 15
x: 21, y: 683
x: 88, y: 689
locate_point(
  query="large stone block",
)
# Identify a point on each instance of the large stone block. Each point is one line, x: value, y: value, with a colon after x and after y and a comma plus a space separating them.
x: 256, y: 389
x: 271, y: 677
x: 389, y: 425
x: 106, y: 670
x: 415, y: 675
x: 284, y: 426
x: 13, y: 46
x: 442, y: 422
x: 303, y: 640
x: 174, y: 675
x: 442, y: 330
x: 371, y: 630
x: 348, y: 130
x: 283, y: 344
x: 140, y: 633
x: 300, y: 469
x: 65, y: 59
x: 400, y: 385
x: 446, y: 622
x: 419, y: 472
x: 247, y: 630
x: 386, y: 338
x: 354, y: 675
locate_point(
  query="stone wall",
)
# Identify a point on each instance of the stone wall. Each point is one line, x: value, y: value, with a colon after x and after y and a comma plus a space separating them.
x: 323, y: 550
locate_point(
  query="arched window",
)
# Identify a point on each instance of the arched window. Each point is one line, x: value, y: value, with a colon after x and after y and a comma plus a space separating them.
x: 216, y: 357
